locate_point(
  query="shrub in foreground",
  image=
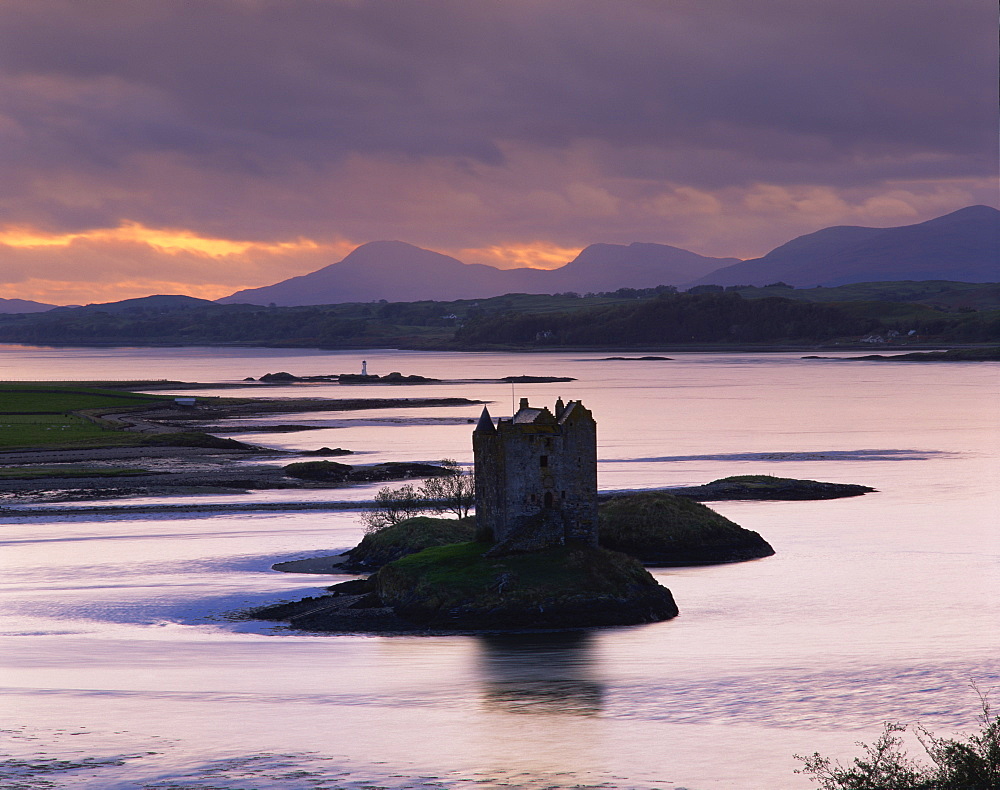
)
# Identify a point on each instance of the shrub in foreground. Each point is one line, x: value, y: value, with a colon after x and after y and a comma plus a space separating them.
x: 969, y: 764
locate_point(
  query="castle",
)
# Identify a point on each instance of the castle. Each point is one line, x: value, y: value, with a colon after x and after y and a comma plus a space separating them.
x: 536, y: 477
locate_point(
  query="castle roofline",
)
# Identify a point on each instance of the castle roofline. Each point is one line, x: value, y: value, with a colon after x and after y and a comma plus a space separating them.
x: 536, y: 420
x: 529, y: 416
x: 574, y: 411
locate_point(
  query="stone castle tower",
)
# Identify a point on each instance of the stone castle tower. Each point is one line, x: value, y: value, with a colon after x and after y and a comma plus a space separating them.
x: 536, y: 477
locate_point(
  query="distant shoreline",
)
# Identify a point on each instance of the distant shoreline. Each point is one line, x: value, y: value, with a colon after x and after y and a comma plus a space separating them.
x: 677, y: 348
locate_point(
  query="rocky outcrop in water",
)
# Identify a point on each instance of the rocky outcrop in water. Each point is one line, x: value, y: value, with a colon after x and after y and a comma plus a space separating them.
x: 458, y: 588
x: 432, y: 576
x: 666, y: 530
x: 334, y: 472
x: 461, y: 586
x: 765, y: 487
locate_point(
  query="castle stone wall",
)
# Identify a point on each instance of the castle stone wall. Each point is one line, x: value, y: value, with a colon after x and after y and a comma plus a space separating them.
x: 536, y: 477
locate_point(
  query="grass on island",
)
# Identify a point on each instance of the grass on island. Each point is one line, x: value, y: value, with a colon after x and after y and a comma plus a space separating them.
x: 459, y: 575
x: 410, y: 536
x: 461, y: 571
x: 463, y: 568
x: 44, y: 415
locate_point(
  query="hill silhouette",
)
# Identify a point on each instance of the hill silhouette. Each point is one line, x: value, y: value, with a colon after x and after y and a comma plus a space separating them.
x: 397, y: 271
x: 390, y: 270
x: 23, y: 306
x: 608, y: 267
x: 963, y: 246
x: 159, y: 303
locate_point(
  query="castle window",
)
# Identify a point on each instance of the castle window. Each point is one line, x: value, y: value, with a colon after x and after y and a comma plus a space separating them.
x: 548, y: 499
x: 543, y: 460
x: 534, y: 498
x: 563, y: 495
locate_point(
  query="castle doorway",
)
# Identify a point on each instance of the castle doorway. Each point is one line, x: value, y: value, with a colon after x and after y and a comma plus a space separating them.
x: 547, y: 501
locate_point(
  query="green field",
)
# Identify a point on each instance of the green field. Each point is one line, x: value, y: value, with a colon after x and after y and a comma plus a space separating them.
x: 49, y: 415
x: 66, y: 470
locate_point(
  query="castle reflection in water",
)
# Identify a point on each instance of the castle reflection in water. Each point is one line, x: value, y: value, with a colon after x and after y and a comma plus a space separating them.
x: 540, y: 673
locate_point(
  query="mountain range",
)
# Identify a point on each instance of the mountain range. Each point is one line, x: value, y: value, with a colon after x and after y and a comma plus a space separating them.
x: 400, y: 272
x: 961, y: 246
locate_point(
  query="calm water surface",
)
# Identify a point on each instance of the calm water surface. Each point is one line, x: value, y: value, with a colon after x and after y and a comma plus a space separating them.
x: 119, y: 661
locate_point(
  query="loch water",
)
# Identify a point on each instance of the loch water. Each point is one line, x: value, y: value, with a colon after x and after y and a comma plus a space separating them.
x: 121, y: 669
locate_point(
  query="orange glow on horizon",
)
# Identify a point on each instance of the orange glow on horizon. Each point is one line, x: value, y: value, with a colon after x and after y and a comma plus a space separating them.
x: 107, y: 262
x: 68, y: 292
x: 179, y: 261
x: 165, y: 239
x: 532, y: 255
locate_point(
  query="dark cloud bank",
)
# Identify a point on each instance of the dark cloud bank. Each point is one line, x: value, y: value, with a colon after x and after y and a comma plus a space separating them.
x: 725, y: 127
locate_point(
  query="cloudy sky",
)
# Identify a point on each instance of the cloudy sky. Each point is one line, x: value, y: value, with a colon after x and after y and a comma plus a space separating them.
x: 170, y: 146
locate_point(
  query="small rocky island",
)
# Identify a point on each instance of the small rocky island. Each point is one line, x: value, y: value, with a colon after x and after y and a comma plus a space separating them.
x: 766, y: 487
x: 364, y: 377
x: 977, y: 354
x: 543, y: 550
x: 533, y: 561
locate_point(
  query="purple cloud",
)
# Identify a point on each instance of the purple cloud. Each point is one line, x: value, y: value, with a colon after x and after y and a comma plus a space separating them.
x: 458, y: 124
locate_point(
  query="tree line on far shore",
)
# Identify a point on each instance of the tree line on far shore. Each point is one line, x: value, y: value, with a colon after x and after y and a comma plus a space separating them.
x: 726, y: 318
x: 654, y: 316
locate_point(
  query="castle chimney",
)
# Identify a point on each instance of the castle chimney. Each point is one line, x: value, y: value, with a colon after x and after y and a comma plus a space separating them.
x: 524, y: 404
x: 560, y: 407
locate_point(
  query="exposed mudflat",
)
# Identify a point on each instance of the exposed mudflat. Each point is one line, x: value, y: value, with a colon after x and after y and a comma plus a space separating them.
x: 169, y: 416
x: 329, y: 564
x: 164, y: 470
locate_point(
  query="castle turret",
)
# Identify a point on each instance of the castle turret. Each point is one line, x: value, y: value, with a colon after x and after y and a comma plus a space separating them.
x: 485, y: 424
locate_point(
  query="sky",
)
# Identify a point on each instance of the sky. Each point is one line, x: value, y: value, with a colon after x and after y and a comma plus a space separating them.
x: 170, y: 146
